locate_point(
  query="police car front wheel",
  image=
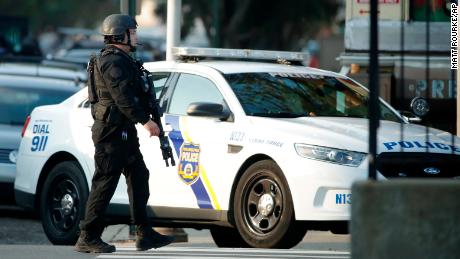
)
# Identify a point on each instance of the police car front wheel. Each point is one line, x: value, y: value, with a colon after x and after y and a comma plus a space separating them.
x: 62, y: 202
x: 263, y: 208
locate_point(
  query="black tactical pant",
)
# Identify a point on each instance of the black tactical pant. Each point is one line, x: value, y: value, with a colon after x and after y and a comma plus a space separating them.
x: 116, y: 152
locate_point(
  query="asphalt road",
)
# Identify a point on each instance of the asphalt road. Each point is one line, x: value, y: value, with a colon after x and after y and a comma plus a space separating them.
x: 21, y: 236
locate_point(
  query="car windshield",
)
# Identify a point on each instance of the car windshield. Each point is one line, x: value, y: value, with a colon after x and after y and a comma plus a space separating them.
x: 17, y: 103
x: 289, y: 95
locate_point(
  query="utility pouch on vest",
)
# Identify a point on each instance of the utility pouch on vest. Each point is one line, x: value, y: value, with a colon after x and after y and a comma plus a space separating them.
x: 92, y: 95
x: 114, y: 116
x: 99, y: 111
x: 108, y: 114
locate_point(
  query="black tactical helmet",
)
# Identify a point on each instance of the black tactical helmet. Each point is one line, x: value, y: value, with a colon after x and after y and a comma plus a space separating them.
x: 117, y: 24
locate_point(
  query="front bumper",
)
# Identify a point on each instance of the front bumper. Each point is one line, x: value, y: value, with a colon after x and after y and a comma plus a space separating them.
x: 321, y: 191
x: 24, y: 199
x: 7, y: 172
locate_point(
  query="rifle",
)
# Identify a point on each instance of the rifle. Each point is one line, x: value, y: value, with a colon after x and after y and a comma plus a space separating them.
x: 156, y: 113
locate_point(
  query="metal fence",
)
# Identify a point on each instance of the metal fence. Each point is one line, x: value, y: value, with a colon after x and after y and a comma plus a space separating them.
x: 421, y: 74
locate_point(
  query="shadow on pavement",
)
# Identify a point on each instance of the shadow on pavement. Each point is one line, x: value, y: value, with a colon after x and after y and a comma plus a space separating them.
x: 11, y: 211
x: 18, y: 226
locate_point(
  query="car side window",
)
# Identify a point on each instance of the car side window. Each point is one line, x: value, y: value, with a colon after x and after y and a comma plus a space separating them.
x: 159, y: 81
x: 193, y: 88
x: 16, y: 101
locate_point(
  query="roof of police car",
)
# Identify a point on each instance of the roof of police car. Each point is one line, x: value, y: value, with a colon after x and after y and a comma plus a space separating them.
x: 232, y: 67
x: 41, y: 70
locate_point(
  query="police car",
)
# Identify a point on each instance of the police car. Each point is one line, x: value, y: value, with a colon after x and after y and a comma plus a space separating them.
x: 263, y: 151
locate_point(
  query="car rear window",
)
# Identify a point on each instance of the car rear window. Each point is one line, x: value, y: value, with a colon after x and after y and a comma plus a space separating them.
x: 16, y: 103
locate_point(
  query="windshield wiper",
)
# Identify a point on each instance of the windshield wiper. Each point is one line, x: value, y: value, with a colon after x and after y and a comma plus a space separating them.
x: 279, y: 114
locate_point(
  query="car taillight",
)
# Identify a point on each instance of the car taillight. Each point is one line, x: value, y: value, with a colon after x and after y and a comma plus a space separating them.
x: 26, y: 123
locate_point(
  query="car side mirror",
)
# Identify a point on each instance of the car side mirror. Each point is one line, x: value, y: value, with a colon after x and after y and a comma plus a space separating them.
x: 410, y: 117
x: 419, y: 106
x: 204, y: 109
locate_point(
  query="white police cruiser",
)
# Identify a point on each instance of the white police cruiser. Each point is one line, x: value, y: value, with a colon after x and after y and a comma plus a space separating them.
x: 263, y: 151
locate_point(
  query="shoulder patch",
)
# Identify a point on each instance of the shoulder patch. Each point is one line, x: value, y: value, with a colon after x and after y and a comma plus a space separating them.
x: 108, y: 51
x: 116, y: 72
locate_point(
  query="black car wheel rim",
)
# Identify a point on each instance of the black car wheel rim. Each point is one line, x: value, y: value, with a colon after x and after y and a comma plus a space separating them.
x: 63, y: 204
x: 263, y: 205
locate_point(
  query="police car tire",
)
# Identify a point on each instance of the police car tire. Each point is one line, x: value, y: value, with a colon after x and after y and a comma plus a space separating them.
x: 68, y: 173
x: 286, y: 233
x: 227, y: 237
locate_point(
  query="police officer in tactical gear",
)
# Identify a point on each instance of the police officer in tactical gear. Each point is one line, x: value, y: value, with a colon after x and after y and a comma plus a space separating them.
x: 117, y: 104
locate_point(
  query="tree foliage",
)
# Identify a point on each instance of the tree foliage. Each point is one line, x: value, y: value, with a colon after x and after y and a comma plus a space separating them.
x: 44, y: 14
x: 257, y: 24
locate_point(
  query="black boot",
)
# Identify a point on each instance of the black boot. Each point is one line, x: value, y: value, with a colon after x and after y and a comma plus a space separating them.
x: 147, y: 238
x: 91, y: 243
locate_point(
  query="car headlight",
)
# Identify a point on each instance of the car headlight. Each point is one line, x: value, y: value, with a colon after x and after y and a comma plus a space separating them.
x: 332, y: 155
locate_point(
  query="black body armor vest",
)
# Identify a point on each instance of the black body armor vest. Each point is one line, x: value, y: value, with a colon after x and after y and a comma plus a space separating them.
x: 103, y: 106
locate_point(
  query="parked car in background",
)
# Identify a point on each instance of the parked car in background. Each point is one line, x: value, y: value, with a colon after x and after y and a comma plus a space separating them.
x: 21, y: 90
x: 82, y: 55
x: 46, y: 69
x: 78, y: 44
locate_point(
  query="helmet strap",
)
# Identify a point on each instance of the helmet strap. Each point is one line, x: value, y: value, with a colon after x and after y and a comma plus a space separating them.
x: 131, y: 47
x: 116, y: 39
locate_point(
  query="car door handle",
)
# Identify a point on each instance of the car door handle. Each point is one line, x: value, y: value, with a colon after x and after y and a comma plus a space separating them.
x: 167, y: 127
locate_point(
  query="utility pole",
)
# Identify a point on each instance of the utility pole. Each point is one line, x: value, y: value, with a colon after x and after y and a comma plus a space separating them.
x: 128, y: 7
x: 374, y: 90
x: 216, y: 23
x: 173, y: 24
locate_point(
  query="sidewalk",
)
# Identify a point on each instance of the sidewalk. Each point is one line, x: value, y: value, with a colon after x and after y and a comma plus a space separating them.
x: 117, y: 234
x: 313, y: 240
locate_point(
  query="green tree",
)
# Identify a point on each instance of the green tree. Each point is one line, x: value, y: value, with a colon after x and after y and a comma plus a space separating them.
x: 58, y: 13
x: 257, y: 24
